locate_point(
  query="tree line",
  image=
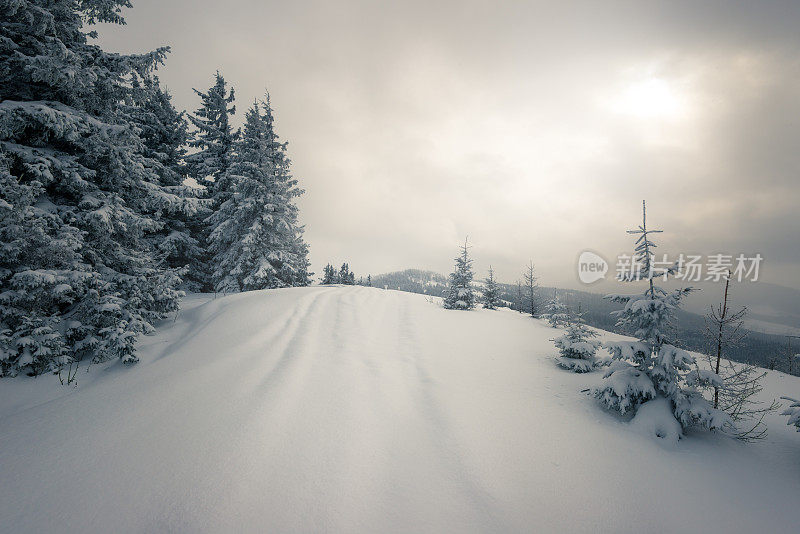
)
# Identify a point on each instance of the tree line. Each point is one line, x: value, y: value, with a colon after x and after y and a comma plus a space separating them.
x: 330, y: 275
x: 112, y: 202
x: 459, y: 293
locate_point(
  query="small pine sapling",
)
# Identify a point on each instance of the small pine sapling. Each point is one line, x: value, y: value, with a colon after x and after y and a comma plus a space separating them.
x: 557, y: 312
x: 741, y: 382
x: 531, y: 290
x: 651, y: 368
x: 491, y: 292
x: 577, y: 346
x: 459, y: 294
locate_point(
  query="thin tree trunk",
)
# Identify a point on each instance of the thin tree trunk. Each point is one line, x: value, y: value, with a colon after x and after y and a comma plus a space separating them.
x: 722, y: 315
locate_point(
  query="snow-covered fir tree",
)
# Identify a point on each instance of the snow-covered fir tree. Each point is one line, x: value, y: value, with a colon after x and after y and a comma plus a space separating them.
x: 346, y: 276
x: 459, y: 294
x: 255, y: 237
x: 213, y: 138
x: 301, y: 276
x: 651, y: 367
x: 164, y: 133
x: 577, y: 346
x: 793, y: 411
x: 329, y: 275
x: 557, y: 313
x: 491, y: 291
x: 80, y: 193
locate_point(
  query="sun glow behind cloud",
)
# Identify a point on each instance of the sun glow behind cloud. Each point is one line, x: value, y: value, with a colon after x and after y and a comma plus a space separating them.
x: 652, y: 98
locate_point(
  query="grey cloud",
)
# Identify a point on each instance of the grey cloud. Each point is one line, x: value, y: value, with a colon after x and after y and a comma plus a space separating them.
x: 412, y: 124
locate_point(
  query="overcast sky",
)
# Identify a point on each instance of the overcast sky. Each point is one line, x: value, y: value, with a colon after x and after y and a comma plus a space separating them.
x: 536, y: 129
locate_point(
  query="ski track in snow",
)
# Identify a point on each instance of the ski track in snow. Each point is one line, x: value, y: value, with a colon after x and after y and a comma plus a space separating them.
x: 332, y: 409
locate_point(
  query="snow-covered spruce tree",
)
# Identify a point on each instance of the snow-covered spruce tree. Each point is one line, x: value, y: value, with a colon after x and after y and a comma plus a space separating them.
x: 793, y: 411
x: 302, y: 276
x: 255, y: 237
x: 651, y: 367
x: 577, y: 346
x: 164, y: 133
x: 557, y: 313
x: 346, y: 276
x: 213, y: 138
x: 459, y: 294
x: 329, y: 275
x: 491, y: 292
x: 78, y: 194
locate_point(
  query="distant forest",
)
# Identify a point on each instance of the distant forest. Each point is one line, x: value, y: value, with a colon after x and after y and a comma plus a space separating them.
x: 764, y: 350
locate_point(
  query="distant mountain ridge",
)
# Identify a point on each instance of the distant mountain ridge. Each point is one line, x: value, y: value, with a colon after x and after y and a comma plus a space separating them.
x: 771, y: 308
x: 413, y: 281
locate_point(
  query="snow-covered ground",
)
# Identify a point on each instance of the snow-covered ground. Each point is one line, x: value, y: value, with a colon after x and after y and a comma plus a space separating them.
x: 364, y: 410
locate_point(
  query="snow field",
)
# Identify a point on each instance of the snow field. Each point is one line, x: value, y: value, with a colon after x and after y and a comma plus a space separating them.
x: 352, y: 409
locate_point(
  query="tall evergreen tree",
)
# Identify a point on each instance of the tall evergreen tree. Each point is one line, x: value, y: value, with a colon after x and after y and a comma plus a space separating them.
x: 459, y: 294
x: 491, y: 291
x: 213, y: 138
x: 255, y: 237
x: 344, y: 274
x: 164, y: 133
x: 330, y: 275
x: 79, y: 192
x: 302, y: 276
x: 651, y: 367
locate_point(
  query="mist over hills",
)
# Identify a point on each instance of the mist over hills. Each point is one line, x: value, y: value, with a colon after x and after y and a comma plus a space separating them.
x: 771, y: 308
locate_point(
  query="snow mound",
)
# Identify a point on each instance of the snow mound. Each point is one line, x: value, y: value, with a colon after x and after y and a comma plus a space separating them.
x: 654, y: 419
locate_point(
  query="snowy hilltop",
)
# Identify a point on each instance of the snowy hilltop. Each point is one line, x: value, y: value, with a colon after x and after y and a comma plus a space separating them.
x: 356, y: 409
